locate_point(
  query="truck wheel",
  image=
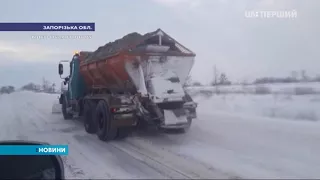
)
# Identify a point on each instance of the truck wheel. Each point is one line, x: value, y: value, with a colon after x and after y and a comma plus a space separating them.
x: 65, y: 114
x: 123, y: 132
x: 88, y: 117
x: 103, y: 118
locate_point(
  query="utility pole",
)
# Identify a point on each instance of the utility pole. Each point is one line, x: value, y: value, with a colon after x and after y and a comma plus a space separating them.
x: 215, y: 74
x: 215, y: 78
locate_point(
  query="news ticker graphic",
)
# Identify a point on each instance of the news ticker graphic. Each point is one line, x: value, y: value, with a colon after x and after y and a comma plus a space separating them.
x: 47, y: 26
x: 34, y: 150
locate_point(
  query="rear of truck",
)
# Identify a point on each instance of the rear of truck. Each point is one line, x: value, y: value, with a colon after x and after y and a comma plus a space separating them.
x: 159, y: 75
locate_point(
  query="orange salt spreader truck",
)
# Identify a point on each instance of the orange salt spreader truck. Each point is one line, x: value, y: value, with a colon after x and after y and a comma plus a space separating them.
x: 136, y: 80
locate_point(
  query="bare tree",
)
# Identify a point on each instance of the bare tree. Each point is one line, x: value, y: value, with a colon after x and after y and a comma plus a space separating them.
x: 304, y: 76
x: 223, y: 78
x: 215, y: 79
x: 7, y: 89
x: 215, y: 76
x: 45, y: 85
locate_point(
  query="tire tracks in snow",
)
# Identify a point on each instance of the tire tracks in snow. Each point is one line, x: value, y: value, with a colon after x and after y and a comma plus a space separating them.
x: 184, y: 165
x: 164, y: 162
x: 16, y: 128
x: 41, y: 130
x: 170, y: 143
x: 119, y: 162
x: 10, y: 121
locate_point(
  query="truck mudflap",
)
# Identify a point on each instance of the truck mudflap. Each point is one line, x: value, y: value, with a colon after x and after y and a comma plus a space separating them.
x: 179, y: 118
x: 123, y: 120
x: 174, y: 119
x: 176, y: 126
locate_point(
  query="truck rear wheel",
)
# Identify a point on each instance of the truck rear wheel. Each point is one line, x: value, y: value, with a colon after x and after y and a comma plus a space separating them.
x: 88, y: 117
x: 65, y: 113
x: 103, y: 118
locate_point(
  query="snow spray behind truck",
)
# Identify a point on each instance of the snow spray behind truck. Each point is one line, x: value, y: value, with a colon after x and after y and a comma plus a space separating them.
x: 134, y: 80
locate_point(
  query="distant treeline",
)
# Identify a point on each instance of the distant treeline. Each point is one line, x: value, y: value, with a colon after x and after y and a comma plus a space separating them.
x: 46, y: 86
x: 268, y: 80
x: 221, y: 79
x: 295, y: 77
x: 7, y: 89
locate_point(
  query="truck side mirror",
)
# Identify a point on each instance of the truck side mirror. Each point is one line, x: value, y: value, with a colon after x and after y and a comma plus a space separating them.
x: 60, y: 69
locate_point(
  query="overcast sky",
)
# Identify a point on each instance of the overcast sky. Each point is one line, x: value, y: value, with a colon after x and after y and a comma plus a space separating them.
x: 216, y: 30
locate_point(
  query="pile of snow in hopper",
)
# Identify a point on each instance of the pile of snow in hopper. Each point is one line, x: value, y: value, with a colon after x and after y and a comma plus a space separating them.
x: 112, y: 48
x: 129, y: 42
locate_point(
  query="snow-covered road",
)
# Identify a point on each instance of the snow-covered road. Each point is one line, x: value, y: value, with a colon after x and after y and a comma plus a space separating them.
x: 218, y: 145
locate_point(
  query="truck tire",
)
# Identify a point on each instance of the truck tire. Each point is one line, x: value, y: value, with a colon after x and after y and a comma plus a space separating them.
x: 103, y: 118
x: 88, y: 117
x: 65, y: 114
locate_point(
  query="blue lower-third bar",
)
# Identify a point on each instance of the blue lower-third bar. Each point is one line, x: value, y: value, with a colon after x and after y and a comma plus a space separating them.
x: 47, y: 26
x: 34, y: 150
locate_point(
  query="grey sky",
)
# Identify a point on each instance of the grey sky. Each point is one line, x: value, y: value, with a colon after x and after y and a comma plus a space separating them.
x: 216, y: 30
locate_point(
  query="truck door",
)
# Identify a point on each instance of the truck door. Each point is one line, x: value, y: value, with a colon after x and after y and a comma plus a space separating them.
x: 76, y: 84
x: 70, y: 89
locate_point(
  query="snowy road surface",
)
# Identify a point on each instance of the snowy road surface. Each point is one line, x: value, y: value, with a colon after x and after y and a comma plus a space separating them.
x: 218, y: 145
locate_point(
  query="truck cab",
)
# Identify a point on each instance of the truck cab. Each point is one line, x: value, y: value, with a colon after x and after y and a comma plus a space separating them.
x: 72, y: 88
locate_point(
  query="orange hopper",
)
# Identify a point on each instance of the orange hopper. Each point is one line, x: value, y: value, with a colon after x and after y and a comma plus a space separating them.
x: 105, y: 67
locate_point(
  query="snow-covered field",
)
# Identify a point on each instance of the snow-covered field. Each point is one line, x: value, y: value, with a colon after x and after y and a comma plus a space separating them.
x: 295, y: 101
x: 290, y: 107
x: 233, y: 136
